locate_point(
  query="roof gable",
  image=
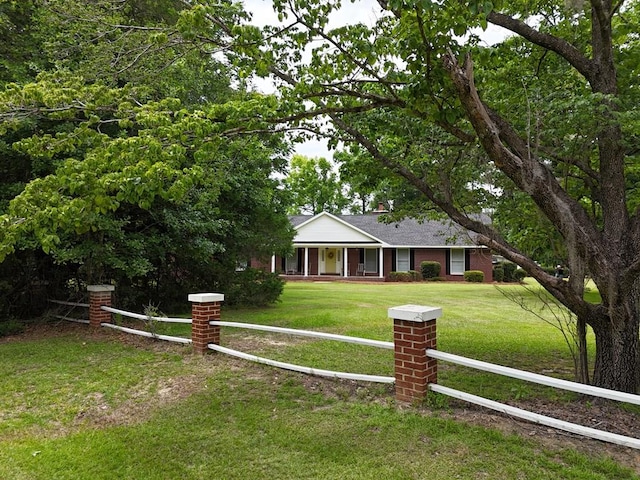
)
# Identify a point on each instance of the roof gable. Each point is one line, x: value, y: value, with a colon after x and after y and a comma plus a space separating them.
x: 327, y: 228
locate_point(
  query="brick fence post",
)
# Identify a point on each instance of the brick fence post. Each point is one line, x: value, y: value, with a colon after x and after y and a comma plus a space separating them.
x: 99, y: 295
x: 414, y: 330
x: 205, y: 308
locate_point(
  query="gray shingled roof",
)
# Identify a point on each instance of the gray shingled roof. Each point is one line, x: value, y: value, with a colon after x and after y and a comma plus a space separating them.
x: 407, y: 232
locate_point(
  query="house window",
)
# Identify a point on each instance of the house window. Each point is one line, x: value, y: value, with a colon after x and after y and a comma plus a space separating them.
x: 402, y: 260
x: 292, y: 264
x: 457, y: 266
x: 371, y: 260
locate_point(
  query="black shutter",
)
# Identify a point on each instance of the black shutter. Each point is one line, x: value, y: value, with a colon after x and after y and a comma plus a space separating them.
x: 361, y: 251
x: 447, y: 261
x: 412, y: 259
x: 283, y: 264
x: 467, y: 259
x: 393, y: 260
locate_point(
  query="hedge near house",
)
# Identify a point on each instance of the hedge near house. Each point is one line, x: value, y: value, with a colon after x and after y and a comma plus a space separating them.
x: 430, y: 269
x: 475, y: 276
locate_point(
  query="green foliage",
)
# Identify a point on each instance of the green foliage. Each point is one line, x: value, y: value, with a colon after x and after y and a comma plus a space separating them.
x: 519, y: 275
x: 509, y: 270
x: 152, y: 184
x: 475, y: 276
x: 11, y: 326
x: 410, y: 276
x: 498, y: 273
x: 252, y: 287
x: 314, y: 187
x: 430, y: 270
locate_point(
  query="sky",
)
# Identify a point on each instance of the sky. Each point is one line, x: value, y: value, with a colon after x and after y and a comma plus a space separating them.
x: 358, y: 11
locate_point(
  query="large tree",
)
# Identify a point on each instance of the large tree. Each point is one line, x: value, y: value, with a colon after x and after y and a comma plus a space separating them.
x: 131, y: 161
x: 548, y: 119
x: 314, y: 186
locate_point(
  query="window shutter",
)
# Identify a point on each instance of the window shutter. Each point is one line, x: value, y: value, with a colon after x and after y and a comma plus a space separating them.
x: 283, y: 264
x: 393, y: 260
x: 412, y: 259
x: 447, y: 261
x: 467, y: 258
x: 361, y: 251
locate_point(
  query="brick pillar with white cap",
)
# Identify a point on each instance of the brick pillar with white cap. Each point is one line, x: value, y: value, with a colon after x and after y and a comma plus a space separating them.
x: 414, y: 331
x: 99, y: 296
x: 204, y: 309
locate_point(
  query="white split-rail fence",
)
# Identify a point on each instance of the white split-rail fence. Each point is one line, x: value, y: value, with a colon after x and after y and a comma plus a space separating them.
x: 143, y: 333
x: 447, y: 357
x: 73, y: 305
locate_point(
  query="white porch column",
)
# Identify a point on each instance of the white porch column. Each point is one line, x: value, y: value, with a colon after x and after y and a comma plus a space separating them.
x: 273, y: 264
x: 345, y: 265
x: 381, y: 262
x: 306, y: 261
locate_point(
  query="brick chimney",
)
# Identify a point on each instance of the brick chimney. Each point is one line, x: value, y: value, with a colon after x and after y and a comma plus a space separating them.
x: 381, y: 208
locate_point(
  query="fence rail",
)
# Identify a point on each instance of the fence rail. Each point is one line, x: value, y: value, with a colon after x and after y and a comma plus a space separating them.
x: 537, y: 418
x: 144, y: 333
x: 299, y: 368
x: 536, y: 378
x: 73, y: 305
x: 140, y: 316
x: 308, y: 333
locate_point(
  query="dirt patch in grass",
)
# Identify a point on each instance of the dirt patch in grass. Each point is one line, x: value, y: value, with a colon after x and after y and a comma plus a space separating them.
x: 603, y: 416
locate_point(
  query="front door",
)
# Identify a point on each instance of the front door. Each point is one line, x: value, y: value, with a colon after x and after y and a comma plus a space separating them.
x: 330, y: 261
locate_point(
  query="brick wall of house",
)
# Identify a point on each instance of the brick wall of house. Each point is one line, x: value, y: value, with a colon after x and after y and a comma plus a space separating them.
x: 353, y: 259
x: 431, y: 255
x: 481, y: 260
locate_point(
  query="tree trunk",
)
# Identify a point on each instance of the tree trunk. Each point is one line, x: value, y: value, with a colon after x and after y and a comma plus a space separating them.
x: 582, y: 358
x: 617, y: 364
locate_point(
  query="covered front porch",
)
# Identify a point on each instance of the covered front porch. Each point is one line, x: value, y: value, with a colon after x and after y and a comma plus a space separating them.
x: 326, y: 261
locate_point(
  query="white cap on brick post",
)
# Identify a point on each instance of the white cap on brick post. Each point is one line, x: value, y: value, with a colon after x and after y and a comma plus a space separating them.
x: 100, y: 288
x: 206, y: 297
x: 415, y: 313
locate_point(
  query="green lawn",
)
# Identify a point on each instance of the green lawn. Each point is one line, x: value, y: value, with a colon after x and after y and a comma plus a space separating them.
x: 80, y: 405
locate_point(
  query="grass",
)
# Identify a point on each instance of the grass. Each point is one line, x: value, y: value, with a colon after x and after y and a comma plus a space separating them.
x: 78, y: 405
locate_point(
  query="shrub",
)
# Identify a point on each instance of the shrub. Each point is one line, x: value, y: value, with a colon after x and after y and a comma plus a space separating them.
x: 498, y: 273
x: 11, y: 327
x: 430, y: 269
x: 475, y: 276
x: 253, y: 287
x: 519, y: 275
x: 509, y: 270
x: 410, y: 276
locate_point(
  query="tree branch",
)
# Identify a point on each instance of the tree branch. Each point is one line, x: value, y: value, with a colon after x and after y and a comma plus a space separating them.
x: 530, y: 175
x: 563, y: 48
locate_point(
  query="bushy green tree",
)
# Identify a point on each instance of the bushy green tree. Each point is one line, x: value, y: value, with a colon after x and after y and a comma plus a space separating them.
x: 151, y: 171
x: 314, y: 186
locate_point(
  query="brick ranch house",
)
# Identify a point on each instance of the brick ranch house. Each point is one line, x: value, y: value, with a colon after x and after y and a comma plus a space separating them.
x: 360, y: 247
